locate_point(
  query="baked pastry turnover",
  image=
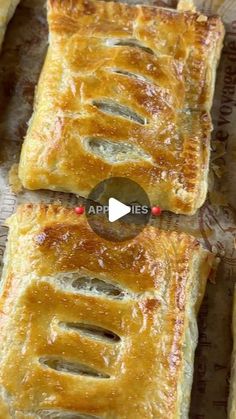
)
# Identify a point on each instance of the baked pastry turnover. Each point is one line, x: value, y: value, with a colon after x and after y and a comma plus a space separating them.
x: 95, y: 329
x: 7, y: 9
x: 125, y: 91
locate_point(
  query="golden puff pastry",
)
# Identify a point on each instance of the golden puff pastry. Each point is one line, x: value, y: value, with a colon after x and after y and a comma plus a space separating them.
x: 7, y: 9
x: 232, y: 395
x: 95, y: 329
x: 125, y: 91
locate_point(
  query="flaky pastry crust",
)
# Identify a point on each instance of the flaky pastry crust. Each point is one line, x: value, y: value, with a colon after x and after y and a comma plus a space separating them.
x: 125, y: 91
x: 62, y: 285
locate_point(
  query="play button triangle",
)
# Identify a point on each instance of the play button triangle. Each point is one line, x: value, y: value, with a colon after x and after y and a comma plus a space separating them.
x: 117, y: 209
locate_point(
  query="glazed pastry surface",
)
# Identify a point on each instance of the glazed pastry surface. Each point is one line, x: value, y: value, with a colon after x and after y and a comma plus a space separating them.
x: 125, y: 91
x: 96, y: 328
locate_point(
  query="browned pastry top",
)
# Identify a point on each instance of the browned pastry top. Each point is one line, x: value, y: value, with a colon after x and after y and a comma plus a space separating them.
x: 125, y: 91
x: 94, y: 327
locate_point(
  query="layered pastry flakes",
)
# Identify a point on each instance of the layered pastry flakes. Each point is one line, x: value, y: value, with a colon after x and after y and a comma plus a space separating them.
x: 124, y: 91
x: 96, y: 329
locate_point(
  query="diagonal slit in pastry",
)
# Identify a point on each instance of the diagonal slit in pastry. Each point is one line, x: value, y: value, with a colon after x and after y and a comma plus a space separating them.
x: 60, y: 414
x: 92, y: 331
x: 62, y: 365
x: 73, y: 282
x: 97, y: 286
x: 115, y: 152
x: 113, y: 108
x: 130, y: 74
x: 129, y: 42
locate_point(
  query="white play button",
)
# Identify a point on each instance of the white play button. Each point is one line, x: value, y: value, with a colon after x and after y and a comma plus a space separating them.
x: 116, y: 209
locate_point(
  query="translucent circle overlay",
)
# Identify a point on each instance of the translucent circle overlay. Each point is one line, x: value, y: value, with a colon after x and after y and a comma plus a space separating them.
x: 127, y: 192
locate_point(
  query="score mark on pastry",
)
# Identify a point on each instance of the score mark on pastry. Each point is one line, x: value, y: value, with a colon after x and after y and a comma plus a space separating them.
x: 92, y: 331
x: 130, y: 43
x: 64, y: 366
x: 119, y: 110
x: 116, y: 151
x: 95, y: 285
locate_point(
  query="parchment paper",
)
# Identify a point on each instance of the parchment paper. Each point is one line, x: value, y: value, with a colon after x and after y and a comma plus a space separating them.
x: 214, y: 224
